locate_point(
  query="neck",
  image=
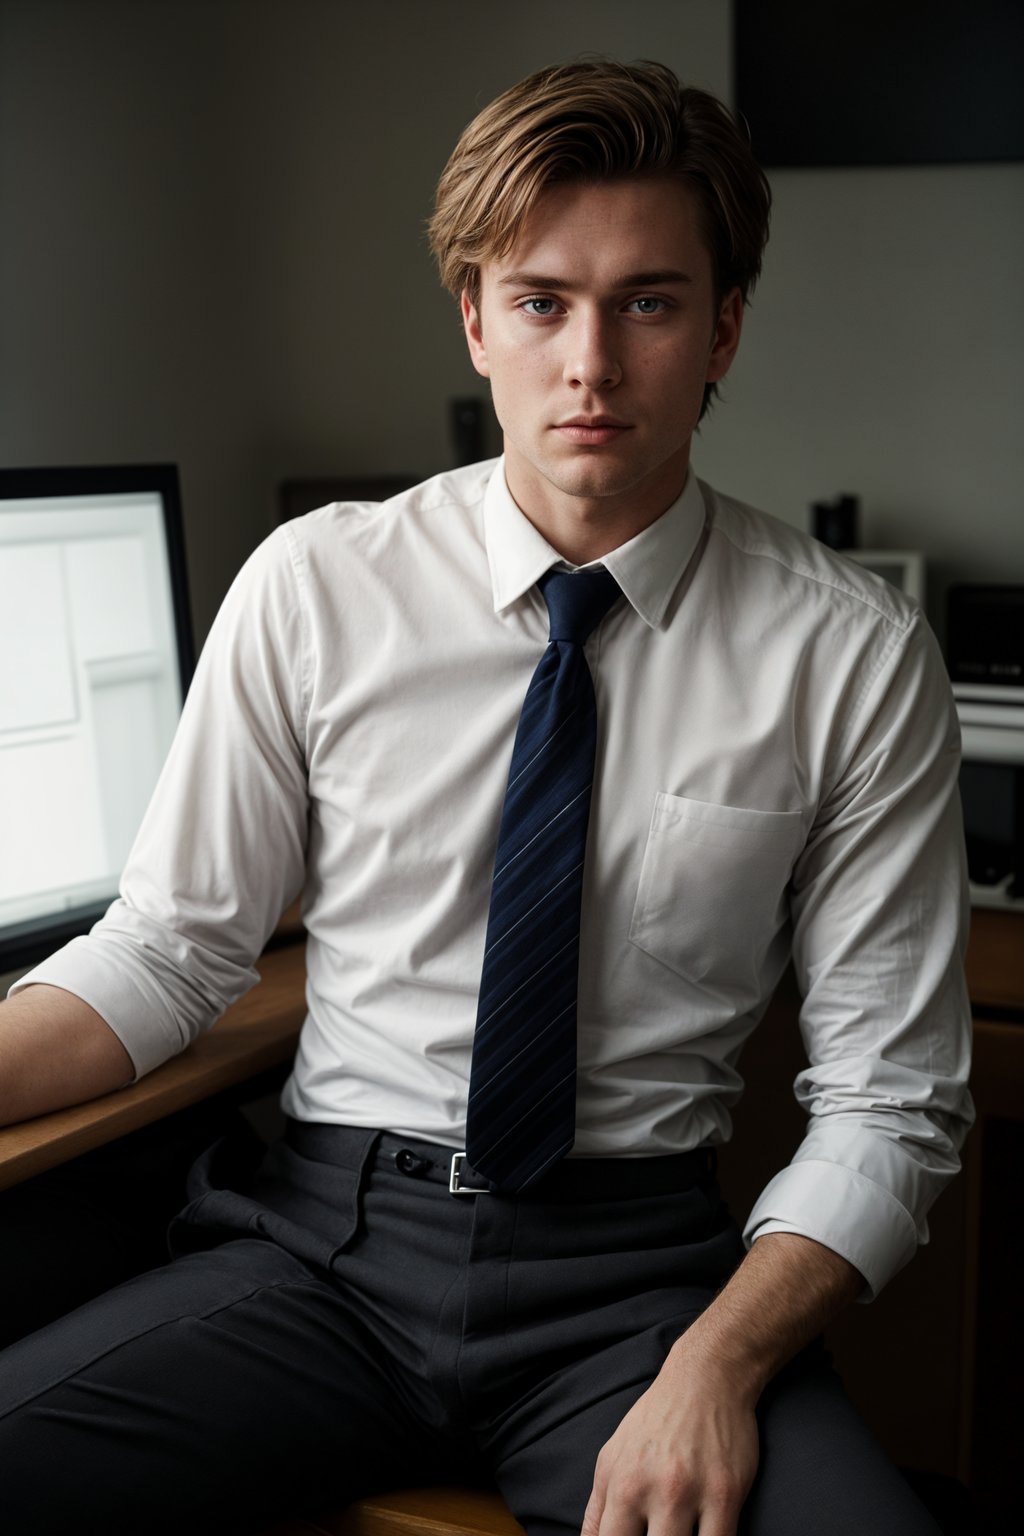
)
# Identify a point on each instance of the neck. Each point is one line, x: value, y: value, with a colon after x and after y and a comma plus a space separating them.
x: 586, y: 527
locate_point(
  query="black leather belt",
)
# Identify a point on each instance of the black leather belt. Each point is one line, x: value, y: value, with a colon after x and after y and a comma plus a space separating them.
x: 581, y: 1179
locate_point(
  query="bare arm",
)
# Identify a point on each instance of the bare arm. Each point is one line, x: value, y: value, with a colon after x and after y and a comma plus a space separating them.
x: 687, y: 1452
x: 55, y: 1050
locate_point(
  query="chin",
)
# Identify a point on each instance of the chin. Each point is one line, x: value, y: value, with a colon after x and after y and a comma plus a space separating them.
x: 598, y: 481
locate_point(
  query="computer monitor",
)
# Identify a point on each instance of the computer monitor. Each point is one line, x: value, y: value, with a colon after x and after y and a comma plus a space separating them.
x: 96, y: 654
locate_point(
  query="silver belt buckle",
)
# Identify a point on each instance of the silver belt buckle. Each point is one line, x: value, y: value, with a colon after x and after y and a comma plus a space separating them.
x: 455, y: 1185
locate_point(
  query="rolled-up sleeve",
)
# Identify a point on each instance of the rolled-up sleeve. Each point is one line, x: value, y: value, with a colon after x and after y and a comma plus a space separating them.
x: 222, y: 847
x: 879, y: 913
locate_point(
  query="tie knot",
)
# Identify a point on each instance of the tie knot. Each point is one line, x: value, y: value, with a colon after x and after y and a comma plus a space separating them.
x: 577, y: 602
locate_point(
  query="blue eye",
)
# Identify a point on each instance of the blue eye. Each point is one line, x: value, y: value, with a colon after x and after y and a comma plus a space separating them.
x: 542, y: 308
x: 648, y: 305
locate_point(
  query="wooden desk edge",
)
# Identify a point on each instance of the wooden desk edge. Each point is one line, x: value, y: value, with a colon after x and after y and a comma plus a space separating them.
x: 441, y: 1511
x: 255, y: 1034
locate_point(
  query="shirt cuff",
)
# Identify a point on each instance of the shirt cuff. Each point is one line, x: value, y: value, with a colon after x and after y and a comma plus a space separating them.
x: 843, y: 1210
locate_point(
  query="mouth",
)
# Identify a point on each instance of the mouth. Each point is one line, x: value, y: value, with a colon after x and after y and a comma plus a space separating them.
x: 591, y: 431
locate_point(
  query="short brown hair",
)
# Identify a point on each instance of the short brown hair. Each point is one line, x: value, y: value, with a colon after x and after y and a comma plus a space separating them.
x: 594, y: 121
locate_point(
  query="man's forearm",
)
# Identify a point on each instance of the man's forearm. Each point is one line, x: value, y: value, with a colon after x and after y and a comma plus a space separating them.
x: 55, y: 1050
x: 785, y: 1292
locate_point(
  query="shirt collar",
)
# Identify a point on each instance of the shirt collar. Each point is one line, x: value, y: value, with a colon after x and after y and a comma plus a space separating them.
x: 647, y: 567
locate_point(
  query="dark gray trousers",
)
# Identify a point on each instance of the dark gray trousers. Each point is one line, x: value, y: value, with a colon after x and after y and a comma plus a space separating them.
x: 345, y: 1324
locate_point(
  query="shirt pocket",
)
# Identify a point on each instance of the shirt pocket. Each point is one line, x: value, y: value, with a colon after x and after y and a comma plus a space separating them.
x: 712, y: 897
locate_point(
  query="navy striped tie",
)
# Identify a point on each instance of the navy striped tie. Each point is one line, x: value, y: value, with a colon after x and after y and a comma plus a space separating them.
x: 522, y: 1091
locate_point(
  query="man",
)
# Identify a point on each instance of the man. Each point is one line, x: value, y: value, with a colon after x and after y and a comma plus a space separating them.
x: 773, y: 757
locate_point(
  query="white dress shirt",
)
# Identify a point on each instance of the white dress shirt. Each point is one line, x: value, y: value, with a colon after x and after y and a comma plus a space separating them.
x: 777, y: 771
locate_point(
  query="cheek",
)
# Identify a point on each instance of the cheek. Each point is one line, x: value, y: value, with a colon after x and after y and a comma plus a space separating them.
x: 685, y: 380
x: 519, y: 377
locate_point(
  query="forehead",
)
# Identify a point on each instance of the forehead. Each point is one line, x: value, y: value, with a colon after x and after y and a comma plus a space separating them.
x: 600, y: 230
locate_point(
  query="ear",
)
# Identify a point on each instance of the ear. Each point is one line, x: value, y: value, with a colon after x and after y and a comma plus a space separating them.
x: 474, y: 335
x: 726, y: 340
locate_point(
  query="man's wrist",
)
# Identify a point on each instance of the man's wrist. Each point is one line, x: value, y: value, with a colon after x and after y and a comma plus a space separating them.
x: 781, y: 1297
x: 722, y: 1365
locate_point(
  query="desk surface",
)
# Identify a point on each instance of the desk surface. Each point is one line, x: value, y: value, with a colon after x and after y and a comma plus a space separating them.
x: 995, y: 960
x: 259, y: 1032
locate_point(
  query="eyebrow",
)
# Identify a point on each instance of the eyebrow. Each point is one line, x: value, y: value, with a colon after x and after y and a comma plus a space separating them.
x: 654, y: 279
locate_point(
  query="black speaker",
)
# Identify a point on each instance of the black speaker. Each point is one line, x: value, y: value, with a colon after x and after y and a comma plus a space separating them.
x: 466, y: 422
x: 835, y: 522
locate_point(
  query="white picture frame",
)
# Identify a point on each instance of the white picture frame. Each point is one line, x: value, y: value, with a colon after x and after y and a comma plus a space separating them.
x: 903, y: 568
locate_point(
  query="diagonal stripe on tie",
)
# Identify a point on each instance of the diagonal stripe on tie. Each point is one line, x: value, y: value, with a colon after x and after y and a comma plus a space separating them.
x: 540, y: 832
x: 522, y: 1101
x: 534, y: 911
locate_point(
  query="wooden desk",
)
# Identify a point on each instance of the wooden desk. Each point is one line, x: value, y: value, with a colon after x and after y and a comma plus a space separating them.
x: 995, y: 961
x: 259, y: 1032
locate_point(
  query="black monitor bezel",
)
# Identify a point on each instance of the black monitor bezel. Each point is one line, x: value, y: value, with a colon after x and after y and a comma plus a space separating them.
x: 24, y: 944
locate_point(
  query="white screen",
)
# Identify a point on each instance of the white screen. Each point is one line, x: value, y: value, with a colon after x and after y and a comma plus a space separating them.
x: 89, y: 693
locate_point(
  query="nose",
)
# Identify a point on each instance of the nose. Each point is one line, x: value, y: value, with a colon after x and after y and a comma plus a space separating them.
x: 593, y: 361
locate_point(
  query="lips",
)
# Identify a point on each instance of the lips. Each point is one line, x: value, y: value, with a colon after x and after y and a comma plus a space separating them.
x: 591, y: 431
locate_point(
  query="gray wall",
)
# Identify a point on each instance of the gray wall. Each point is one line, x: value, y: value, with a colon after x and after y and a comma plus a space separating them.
x: 211, y: 251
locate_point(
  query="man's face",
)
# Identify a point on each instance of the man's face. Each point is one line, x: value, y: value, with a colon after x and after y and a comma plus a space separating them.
x: 598, y: 333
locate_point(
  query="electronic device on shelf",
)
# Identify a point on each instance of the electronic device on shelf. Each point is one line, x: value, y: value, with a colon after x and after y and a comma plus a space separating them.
x: 985, y: 654
x: 96, y: 654
x: 298, y: 496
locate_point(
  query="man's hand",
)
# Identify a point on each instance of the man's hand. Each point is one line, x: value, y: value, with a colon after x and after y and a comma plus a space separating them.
x: 685, y: 1455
